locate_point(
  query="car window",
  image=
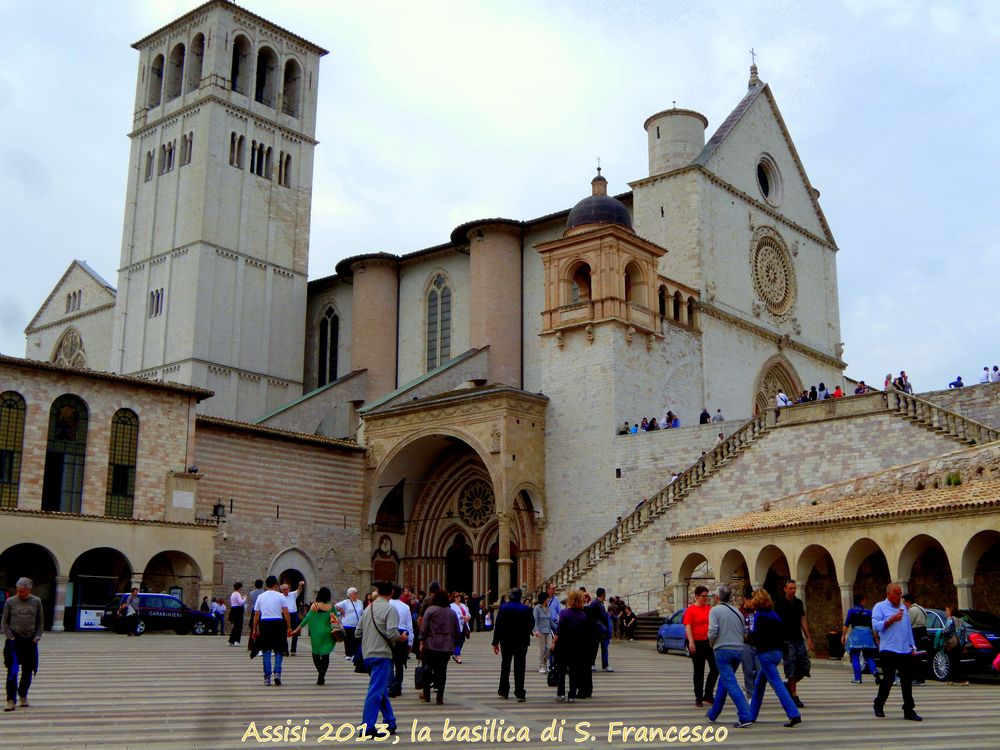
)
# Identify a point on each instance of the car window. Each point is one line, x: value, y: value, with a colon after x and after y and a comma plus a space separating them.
x: 934, y: 620
x: 170, y: 603
x: 982, y: 619
x: 151, y: 601
x: 677, y: 618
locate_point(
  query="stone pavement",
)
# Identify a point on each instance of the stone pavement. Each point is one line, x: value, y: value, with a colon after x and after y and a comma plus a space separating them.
x: 99, y: 690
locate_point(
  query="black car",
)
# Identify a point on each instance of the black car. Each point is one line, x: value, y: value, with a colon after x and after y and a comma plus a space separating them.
x: 982, y: 631
x: 157, y: 612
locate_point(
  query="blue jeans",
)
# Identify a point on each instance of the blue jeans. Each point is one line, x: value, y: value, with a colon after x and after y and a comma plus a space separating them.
x: 266, y: 656
x: 769, y: 661
x: 856, y: 663
x: 377, y: 700
x: 727, y: 660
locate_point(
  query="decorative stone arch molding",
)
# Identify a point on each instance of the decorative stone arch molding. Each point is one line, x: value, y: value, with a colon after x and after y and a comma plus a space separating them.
x: 69, y: 350
x: 776, y: 373
x: 503, y: 430
x: 297, y: 558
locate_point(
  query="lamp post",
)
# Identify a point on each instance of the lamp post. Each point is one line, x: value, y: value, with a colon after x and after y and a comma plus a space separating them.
x: 218, y: 512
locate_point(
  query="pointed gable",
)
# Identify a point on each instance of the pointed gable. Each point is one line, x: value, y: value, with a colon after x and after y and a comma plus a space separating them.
x: 94, y: 293
x: 756, y: 129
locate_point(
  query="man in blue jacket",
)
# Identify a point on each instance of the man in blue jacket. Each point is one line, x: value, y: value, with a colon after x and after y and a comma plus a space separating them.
x: 598, y: 614
x: 511, y: 637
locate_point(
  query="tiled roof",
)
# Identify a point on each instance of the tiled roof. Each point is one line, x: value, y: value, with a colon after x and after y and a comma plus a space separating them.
x: 33, y: 364
x: 273, y: 432
x: 982, y: 494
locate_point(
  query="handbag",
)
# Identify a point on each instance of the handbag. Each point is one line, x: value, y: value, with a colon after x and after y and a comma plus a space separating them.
x: 337, y: 631
x: 951, y: 644
x: 419, y: 674
x: 554, y: 676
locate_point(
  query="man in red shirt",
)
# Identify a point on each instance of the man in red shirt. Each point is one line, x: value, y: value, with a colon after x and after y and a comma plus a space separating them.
x: 696, y: 628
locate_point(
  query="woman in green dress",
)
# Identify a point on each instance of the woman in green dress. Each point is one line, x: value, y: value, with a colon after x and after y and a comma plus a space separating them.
x: 318, y: 620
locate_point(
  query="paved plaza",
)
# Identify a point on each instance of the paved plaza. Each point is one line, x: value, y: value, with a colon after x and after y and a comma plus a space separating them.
x: 98, y: 690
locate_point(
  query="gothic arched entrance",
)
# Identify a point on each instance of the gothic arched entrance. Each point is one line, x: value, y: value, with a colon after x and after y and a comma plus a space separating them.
x: 458, y: 566
x: 776, y: 375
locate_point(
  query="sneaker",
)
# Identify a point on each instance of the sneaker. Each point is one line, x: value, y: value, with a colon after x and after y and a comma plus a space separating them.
x: 267, y: 681
x: 608, y: 669
x: 9, y: 706
x: 913, y: 716
x: 542, y: 670
x: 24, y: 700
x: 856, y: 682
x: 277, y: 680
x: 560, y: 699
x: 348, y: 658
x: 571, y: 700
x: 593, y: 667
x: 521, y: 699
x: 743, y: 724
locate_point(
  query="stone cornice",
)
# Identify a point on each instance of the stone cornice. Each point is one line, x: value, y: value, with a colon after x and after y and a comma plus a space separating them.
x: 208, y: 525
x: 782, y: 341
x: 241, y: 111
x: 202, y: 243
x: 69, y: 318
x: 471, y: 401
x: 748, y: 199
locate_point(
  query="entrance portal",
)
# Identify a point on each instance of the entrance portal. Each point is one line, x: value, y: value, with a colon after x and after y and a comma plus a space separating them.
x: 458, y: 566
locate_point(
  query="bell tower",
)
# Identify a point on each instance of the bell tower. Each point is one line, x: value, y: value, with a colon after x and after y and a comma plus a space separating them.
x: 215, y: 244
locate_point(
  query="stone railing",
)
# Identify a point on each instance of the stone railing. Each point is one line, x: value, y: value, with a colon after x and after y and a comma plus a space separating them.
x: 662, y: 501
x: 909, y: 407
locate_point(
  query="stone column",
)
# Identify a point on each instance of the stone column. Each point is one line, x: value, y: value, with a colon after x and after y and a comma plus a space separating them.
x: 963, y: 587
x: 503, y: 554
x: 59, y: 613
x: 365, y: 562
x: 846, y: 599
x: 680, y: 595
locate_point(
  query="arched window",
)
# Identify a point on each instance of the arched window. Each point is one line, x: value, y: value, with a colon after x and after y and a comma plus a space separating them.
x: 196, y: 57
x: 122, y: 452
x: 662, y: 298
x: 288, y: 170
x: 677, y: 306
x: 329, y: 341
x: 438, y: 322
x: 187, y: 144
x: 240, y: 69
x: 175, y: 73
x: 161, y: 166
x: 267, y: 66
x: 12, y: 411
x: 635, y: 290
x: 149, y: 166
x: 580, y: 285
x: 691, y: 306
x: 62, y: 486
x: 240, y: 146
x: 290, y: 89
x: 170, y: 156
x: 155, y: 88
x: 69, y: 352
x: 267, y: 163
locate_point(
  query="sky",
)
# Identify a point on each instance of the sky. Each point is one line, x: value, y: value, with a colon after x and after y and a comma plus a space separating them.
x: 435, y: 113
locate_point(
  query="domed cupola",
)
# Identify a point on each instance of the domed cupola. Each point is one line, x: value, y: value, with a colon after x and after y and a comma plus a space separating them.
x: 598, y: 208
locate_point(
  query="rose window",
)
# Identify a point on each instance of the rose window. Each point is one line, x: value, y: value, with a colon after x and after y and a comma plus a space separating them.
x: 773, y: 275
x: 475, y: 504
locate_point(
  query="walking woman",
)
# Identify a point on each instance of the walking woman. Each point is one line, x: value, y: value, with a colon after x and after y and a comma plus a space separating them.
x: 573, y: 648
x: 318, y: 620
x: 543, y: 631
x: 696, y: 628
x: 766, y: 638
x: 954, y: 627
x: 237, y: 603
x: 437, y: 643
x: 462, y: 613
x: 858, y: 638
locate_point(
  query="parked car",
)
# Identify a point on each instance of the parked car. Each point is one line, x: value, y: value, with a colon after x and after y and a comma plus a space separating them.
x: 671, y: 634
x: 983, y: 641
x: 158, y: 612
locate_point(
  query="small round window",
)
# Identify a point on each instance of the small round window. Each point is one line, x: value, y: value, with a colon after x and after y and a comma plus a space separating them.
x: 769, y: 179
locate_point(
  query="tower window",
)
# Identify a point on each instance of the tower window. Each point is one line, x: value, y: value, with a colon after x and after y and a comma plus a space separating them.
x: 66, y: 450
x: 240, y: 146
x: 155, y: 89
x: 187, y: 142
x: 156, y: 303
x: 267, y: 163
x: 267, y: 66
x: 288, y: 170
x: 580, y: 284
x: 73, y: 300
x: 175, y: 73
x: 240, y: 70
x: 769, y: 179
x: 196, y: 58
x: 329, y: 340
x: 12, y: 411
x: 438, y: 322
x: 120, y: 496
x: 149, y: 166
x: 290, y: 88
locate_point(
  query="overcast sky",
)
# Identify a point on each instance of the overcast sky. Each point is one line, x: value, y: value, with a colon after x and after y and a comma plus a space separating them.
x: 435, y: 113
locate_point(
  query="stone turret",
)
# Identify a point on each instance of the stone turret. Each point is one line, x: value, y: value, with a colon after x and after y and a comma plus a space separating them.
x: 676, y: 137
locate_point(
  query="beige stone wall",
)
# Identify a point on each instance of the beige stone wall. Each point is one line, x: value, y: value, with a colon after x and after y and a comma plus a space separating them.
x: 533, y: 300
x: 288, y: 497
x: 374, y: 328
x: 495, y: 278
x: 980, y: 403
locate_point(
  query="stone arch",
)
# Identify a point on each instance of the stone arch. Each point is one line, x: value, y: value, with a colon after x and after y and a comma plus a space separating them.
x: 36, y: 562
x: 817, y: 570
x: 173, y: 86
x: 772, y: 569
x: 266, y: 77
x: 97, y: 574
x: 635, y: 285
x: 924, y: 565
x: 734, y: 571
x: 866, y: 567
x: 154, y: 91
x: 294, y: 558
x: 290, y: 87
x: 577, y: 283
x: 239, y: 71
x: 168, y: 570
x: 195, y: 63
x: 981, y: 565
x: 678, y: 307
x: 689, y: 566
x: 692, y: 312
x: 776, y: 373
x: 535, y: 496
x: 662, y: 295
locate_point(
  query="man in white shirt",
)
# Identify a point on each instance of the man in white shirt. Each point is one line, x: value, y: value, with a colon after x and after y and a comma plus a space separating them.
x: 292, y: 599
x: 400, y: 649
x: 985, y: 377
x: 718, y: 416
x: 271, y: 628
x: 350, y: 610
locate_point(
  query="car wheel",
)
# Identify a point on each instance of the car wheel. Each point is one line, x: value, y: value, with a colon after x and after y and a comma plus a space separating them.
x: 140, y: 627
x: 661, y: 647
x: 940, y: 665
x: 199, y: 628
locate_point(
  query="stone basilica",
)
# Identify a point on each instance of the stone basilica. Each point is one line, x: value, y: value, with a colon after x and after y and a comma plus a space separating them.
x: 449, y: 412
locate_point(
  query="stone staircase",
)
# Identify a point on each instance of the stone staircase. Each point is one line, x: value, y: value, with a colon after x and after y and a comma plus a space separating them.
x: 919, y: 412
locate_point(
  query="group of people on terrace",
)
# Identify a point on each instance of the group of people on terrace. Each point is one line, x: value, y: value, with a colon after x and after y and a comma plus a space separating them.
x: 670, y: 420
x: 986, y: 376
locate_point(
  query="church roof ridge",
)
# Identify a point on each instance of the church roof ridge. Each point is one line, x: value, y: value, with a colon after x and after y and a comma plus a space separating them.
x: 229, y: 3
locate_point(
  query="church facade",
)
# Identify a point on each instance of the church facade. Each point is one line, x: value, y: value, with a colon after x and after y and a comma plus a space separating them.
x: 484, y: 380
